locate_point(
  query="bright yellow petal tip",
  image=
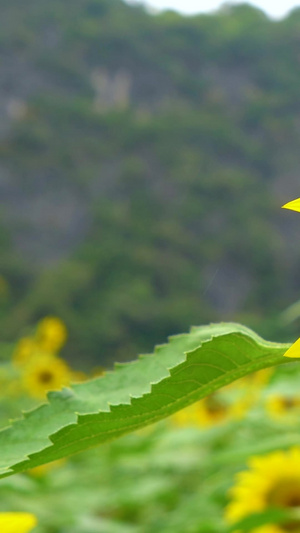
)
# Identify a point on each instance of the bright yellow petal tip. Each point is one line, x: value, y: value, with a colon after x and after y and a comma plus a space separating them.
x: 17, y: 522
x: 294, y: 350
x: 294, y: 205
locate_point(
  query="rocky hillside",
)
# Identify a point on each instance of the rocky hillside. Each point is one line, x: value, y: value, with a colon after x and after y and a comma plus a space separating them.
x: 143, y: 163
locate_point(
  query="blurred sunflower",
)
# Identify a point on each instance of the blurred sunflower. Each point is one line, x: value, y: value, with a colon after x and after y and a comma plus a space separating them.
x: 257, y: 379
x: 43, y: 373
x: 283, y: 407
x: 205, y: 413
x: 248, y: 390
x: 231, y: 402
x: 51, y: 334
x: 17, y: 522
x: 272, y: 481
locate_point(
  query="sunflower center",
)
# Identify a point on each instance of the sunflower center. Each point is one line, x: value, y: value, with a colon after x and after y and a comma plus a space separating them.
x: 289, y: 403
x: 45, y: 377
x: 286, y: 494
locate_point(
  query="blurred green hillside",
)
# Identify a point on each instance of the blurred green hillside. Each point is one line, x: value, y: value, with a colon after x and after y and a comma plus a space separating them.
x: 144, y: 160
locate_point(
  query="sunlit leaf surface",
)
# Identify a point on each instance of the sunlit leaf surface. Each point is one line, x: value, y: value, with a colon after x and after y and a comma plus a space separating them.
x: 136, y: 394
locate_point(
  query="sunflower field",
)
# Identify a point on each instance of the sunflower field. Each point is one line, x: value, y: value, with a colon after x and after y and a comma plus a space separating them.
x: 202, y: 436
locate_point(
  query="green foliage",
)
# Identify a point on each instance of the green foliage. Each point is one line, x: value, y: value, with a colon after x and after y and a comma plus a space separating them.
x: 142, y: 392
x: 132, y: 219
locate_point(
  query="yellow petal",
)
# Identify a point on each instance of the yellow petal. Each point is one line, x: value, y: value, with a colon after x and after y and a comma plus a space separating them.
x: 294, y: 205
x: 17, y: 522
x: 294, y: 350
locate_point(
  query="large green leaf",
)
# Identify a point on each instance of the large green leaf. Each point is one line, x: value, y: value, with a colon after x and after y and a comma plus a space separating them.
x: 136, y: 394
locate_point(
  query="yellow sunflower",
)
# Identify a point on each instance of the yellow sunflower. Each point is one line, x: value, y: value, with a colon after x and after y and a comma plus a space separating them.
x: 256, y: 380
x: 17, y: 522
x: 205, y: 413
x: 44, y: 373
x: 272, y: 481
x: 51, y: 334
x: 232, y: 402
x: 283, y: 407
x: 248, y: 390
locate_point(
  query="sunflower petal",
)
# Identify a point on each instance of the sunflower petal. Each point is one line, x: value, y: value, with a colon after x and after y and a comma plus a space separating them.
x: 294, y: 205
x: 17, y: 522
x: 294, y: 350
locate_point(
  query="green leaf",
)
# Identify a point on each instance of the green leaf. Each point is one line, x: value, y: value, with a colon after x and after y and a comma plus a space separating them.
x: 271, y: 516
x: 136, y: 394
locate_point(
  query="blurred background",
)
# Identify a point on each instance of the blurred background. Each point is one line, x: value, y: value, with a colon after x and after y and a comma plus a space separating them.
x: 145, y: 155
x: 144, y: 159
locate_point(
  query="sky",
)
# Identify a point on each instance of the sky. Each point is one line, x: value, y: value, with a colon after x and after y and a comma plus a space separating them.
x: 274, y: 8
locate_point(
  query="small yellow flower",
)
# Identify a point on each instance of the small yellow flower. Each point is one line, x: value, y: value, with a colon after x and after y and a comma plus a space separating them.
x: 272, y: 481
x: 51, y: 334
x: 44, y: 373
x: 17, y: 522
